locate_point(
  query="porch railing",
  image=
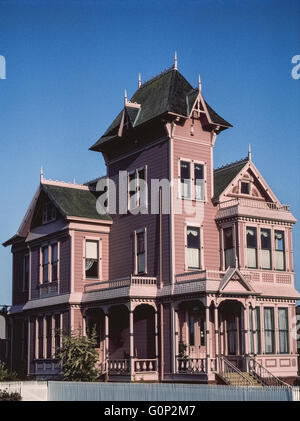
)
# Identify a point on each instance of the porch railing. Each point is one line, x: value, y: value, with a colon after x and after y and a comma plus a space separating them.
x: 231, y: 374
x: 120, y: 282
x: 257, y: 204
x: 122, y: 366
x: 261, y: 374
x: 187, y: 365
x: 141, y: 365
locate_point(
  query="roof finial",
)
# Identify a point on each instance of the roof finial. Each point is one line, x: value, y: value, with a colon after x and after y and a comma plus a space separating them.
x: 125, y: 98
x: 199, y: 83
x: 140, y: 80
x: 249, y: 153
x: 175, y: 60
x: 42, y: 175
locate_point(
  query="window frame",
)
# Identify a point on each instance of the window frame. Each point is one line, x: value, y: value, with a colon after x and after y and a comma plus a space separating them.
x: 45, y: 213
x: 192, y: 185
x: 138, y: 204
x: 99, y: 249
x: 135, y: 234
x: 201, y: 256
x: 255, y: 248
x: 281, y: 251
x: 272, y: 330
x: 284, y: 331
x: 269, y: 249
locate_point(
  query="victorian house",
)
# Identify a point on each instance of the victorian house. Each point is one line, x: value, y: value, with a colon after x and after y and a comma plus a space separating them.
x: 195, y: 286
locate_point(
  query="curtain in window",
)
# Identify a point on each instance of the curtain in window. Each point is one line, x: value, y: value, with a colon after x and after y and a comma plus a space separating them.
x: 269, y: 330
x: 266, y: 259
x: 283, y: 330
x: 193, y: 247
x: 279, y: 260
x: 251, y: 258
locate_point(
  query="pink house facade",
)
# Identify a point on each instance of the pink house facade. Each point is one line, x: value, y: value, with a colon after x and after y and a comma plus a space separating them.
x: 197, y: 286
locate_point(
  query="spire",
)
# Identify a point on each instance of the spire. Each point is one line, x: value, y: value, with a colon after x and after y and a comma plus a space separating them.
x: 175, y: 60
x: 249, y: 153
x: 125, y: 98
x: 140, y: 80
x: 42, y: 175
x: 199, y: 84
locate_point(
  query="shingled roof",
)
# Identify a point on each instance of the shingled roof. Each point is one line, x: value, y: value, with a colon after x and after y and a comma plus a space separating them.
x: 224, y: 175
x: 74, y: 201
x: 169, y: 92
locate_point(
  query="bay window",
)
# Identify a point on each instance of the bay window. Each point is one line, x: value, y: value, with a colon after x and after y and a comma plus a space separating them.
x: 265, y: 242
x: 228, y: 247
x: 283, y: 330
x: 251, y: 235
x: 279, y: 250
x: 193, y: 248
x: 269, y: 330
x: 91, y: 259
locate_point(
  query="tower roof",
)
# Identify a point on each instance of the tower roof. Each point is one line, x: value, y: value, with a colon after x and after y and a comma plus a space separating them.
x: 168, y: 92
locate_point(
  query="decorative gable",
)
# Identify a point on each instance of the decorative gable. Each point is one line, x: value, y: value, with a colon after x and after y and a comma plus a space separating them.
x: 233, y: 282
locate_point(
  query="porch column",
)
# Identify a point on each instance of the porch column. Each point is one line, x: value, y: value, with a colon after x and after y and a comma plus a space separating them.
x: 173, y: 336
x: 237, y: 335
x: 156, y: 334
x: 176, y: 340
x: 106, y: 316
x: 216, y: 318
x: 208, y: 347
x: 262, y: 330
x: 276, y: 328
x: 131, y: 343
x: 246, y: 329
x: 254, y: 328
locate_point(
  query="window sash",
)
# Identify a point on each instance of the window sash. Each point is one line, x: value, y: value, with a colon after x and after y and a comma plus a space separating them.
x: 91, y: 259
x: 140, y: 248
x: 199, y: 181
x: 185, y: 177
x: 193, y: 247
x: 283, y: 329
x: 269, y: 330
x: 279, y: 260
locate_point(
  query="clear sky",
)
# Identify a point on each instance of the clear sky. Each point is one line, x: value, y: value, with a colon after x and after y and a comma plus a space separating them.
x: 68, y: 62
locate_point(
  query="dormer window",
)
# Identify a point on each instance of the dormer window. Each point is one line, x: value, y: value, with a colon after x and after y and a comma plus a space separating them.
x: 49, y: 213
x: 245, y: 187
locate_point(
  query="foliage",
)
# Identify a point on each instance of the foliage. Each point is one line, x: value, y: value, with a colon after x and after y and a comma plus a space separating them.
x: 9, y: 396
x: 78, y: 357
x: 5, y: 375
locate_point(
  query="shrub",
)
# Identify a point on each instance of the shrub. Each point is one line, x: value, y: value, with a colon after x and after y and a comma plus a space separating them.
x: 78, y: 357
x: 6, y: 375
x: 9, y: 396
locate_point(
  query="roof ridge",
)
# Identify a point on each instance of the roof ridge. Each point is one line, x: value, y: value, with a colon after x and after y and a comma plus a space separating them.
x: 232, y: 164
x: 65, y: 184
x: 147, y: 82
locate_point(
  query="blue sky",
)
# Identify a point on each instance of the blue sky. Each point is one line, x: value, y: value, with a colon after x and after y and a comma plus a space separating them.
x: 68, y: 63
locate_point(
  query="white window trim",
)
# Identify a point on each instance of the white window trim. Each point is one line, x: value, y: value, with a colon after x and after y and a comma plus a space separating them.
x: 192, y: 224
x: 49, y: 245
x: 192, y: 179
x: 136, y: 172
x: 100, y: 274
x: 140, y: 231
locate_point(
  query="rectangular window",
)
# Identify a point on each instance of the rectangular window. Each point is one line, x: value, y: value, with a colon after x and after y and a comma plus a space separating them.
x: 91, y: 259
x: 251, y: 247
x: 199, y: 181
x: 45, y: 263
x: 54, y: 261
x: 245, y: 188
x: 258, y: 330
x: 57, y: 331
x: 279, y: 250
x: 141, y: 252
x: 49, y: 336
x: 269, y: 330
x: 40, y: 338
x: 283, y: 328
x: 49, y: 212
x: 228, y: 247
x: 265, y: 243
x: 185, y: 177
x: 191, y: 329
x: 251, y: 330
x: 193, y: 248
x: 26, y: 273
x: 137, y: 189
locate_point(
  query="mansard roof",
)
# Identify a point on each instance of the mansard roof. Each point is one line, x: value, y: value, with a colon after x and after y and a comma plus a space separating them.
x: 224, y: 175
x: 169, y: 92
x: 74, y: 201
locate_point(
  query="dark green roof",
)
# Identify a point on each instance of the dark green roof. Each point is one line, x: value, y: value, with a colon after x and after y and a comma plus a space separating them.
x: 168, y: 92
x: 224, y: 175
x: 74, y: 202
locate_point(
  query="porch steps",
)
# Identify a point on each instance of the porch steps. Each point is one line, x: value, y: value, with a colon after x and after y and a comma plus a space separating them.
x: 235, y: 379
